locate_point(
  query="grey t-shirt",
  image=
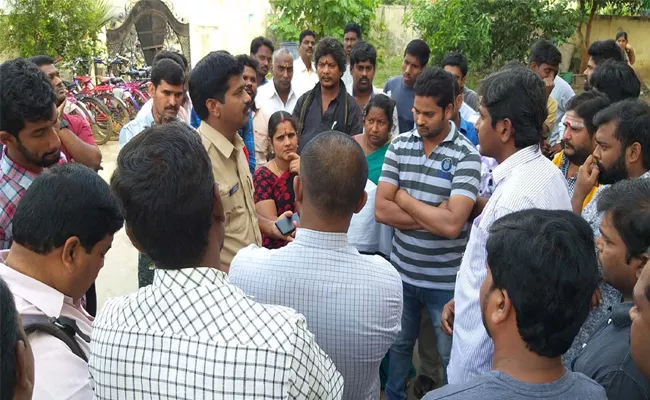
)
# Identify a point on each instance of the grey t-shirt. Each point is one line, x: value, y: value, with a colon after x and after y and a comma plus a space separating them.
x: 404, y: 98
x: 497, y: 385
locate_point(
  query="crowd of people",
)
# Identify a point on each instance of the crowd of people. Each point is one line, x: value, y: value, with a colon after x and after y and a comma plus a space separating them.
x: 299, y: 234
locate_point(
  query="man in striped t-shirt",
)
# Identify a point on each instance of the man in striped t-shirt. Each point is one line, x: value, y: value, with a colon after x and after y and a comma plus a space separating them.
x: 423, y: 168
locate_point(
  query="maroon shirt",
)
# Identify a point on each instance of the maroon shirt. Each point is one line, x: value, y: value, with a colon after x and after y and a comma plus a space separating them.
x: 80, y: 127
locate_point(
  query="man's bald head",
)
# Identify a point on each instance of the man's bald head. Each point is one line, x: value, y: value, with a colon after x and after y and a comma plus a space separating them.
x: 333, y: 172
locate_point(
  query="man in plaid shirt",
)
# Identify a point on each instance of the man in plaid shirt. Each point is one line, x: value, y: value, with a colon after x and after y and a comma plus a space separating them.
x: 29, y: 133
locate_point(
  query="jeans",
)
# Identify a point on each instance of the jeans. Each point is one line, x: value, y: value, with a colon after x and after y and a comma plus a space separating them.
x: 401, y: 353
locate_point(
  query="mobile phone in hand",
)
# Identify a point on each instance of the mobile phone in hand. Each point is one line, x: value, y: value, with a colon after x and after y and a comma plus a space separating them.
x: 286, y: 225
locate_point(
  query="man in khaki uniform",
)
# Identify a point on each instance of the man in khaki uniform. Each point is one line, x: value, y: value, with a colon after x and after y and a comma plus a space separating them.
x: 218, y: 93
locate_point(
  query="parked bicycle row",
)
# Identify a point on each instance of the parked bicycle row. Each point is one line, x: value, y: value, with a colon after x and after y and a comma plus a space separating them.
x: 106, y: 102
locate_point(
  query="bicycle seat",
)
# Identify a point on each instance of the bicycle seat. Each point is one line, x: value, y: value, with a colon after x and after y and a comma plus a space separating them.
x: 68, y: 85
x: 115, y: 81
x: 83, y: 79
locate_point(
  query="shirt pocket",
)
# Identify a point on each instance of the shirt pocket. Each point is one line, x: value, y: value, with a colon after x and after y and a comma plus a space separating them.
x: 234, y: 207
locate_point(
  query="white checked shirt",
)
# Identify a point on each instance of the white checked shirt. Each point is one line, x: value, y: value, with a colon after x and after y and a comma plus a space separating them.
x: 193, y: 335
x: 524, y: 180
x: 352, y: 302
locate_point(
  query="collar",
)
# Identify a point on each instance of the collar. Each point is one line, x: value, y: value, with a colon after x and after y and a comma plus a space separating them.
x: 621, y: 314
x: 451, y: 136
x: 273, y: 92
x: 646, y: 175
x: 522, y: 156
x: 321, y: 240
x: 16, y: 172
x: 463, y: 125
x: 45, y: 298
x: 189, y: 278
x: 301, y: 66
x: 219, y: 140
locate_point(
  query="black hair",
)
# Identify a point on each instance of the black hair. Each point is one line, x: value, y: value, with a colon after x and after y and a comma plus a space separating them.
x: 363, y: 51
x: 587, y: 105
x: 26, y: 95
x: 617, y: 80
x: 353, y: 27
x: 419, y: 49
x: 518, y: 95
x: 64, y: 201
x: 42, y: 60
x: 279, y: 117
x: 165, y: 186
x: 9, y: 337
x: 437, y: 83
x: 628, y: 202
x: 456, y: 59
x: 328, y: 46
x: 601, y: 50
x: 175, y: 56
x: 247, y: 61
x: 382, y: 102
x: 545, y: 52
x: 209, y: 80
x: 259, y: 42
x: 304, y: 34
x: 168, y: 71
x: 619, y: 34
x: 545, y: 261
x: 632, y: 118
x: 512, y: 64
x: 333, y: 160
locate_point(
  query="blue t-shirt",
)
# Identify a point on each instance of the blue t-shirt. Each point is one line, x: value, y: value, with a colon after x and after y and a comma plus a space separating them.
x: 469, y: 131
x: 496, y: 385
x: 404, y: 98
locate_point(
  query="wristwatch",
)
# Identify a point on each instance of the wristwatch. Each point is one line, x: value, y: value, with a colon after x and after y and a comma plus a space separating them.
x: 64, y: 124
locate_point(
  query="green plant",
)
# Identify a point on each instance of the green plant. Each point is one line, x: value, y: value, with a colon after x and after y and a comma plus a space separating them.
x: 66, y: 28
x: 453, y: 25
x: 325, y: 17
x: 491, y: 32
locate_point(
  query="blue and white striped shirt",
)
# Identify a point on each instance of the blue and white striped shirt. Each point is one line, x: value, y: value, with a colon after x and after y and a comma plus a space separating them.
x: 453, y: 168
x: 352, y: 302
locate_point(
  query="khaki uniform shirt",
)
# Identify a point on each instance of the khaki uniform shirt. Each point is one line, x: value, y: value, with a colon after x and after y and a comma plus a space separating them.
x: 230, y: 170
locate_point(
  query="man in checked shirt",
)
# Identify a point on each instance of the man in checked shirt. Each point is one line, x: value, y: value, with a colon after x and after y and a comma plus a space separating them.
x: 192, y: 334
x: 29, y: 128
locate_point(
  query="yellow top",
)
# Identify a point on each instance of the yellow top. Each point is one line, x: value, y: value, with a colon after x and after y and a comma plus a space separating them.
x: 551, y: 107
x: 230, y: 170
x: 557, y: 160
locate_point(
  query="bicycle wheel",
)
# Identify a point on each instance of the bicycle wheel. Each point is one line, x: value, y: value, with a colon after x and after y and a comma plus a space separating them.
x: 98, y: 133
x: 103, y: 119
x: 119, y: 112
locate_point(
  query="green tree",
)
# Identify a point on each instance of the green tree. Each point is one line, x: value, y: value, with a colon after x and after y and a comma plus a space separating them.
x: 65, y: 28
x: 588, y: 10
x: 324, y: 17
x: 453, y: 25
x: 491, y: 32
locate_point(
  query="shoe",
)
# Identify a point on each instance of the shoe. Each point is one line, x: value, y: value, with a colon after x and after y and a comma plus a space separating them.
x: 423, y: 385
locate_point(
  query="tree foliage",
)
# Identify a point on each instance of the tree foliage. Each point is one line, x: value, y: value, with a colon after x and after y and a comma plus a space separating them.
x: 490, y: 32
x: 324, y: 17
x: 66, y: 28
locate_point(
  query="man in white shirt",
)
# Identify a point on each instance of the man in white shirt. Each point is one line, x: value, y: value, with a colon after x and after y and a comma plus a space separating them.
x: 279, y: 96
x: 510, y: 131
x: 192, y: 334
x: 353, y: 302
x: 351, y: 36
x: 63, y: 228
x: 304, y: 71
